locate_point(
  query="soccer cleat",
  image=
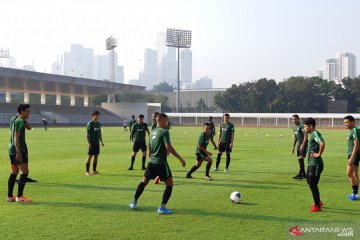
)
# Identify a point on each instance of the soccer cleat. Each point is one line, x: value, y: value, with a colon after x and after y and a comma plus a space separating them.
x: 157, y: 180
x: 188, y: 176
x: 162, y: 211
x: 216, y: 169
x: 215, y: 148
x: 315, y: 209
x: 321, y: 204
x: 297, y: 177
x: 352, y: 197
x: 226, y: 170
x: 130, y: 168
x: 11, y: 199
x: 23, y: 199
x: 95, y: 172
x: 87, y: 173
x: 143, y: 168
x: 209, y: 178
x: 303, y: 175
x: 132, y: 205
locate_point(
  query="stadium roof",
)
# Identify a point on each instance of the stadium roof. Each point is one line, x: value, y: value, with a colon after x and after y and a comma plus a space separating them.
x: 16, y: 80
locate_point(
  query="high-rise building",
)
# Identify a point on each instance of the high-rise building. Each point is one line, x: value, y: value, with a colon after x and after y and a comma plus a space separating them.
x: 101, y: 69
x: 185, y: 66
x: 330, y: 70
x: 346, y: 65
x: 336, y: 69
x: 204, y: 83
x: 148, y: 77
x: 166, y: 61
x: 79, y: 62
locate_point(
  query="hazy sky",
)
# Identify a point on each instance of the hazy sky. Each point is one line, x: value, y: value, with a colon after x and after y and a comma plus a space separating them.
x: 233, y: 40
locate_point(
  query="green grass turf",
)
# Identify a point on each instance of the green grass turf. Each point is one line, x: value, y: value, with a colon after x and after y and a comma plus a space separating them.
x: 69, y: 205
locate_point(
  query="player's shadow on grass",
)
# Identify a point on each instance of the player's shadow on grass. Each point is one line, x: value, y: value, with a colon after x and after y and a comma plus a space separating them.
x: 96, y: 206
x: 86, y: 187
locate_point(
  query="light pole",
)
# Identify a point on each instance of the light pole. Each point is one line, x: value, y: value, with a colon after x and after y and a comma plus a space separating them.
x: 111, y: 44
x: 178, y: 38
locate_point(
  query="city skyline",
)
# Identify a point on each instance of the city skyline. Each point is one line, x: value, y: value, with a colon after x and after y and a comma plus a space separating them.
x: 233, y: 41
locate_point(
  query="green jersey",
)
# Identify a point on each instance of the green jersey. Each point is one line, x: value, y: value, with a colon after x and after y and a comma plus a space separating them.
x: 313, y: 147
x: 153, y: 125
x: 203, y: 141
x: 226, y: 129
x: 12, y: 120
x: 158, y: 138
x: 132, y: 122
x: 212, y: 127
x: 138, y: 131
x: 18, y: 127
x: 299, y: 133
x: 94, y: 131
x: 353, y: 136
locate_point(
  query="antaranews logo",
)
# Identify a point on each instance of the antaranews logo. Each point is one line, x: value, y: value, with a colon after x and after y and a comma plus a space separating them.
x: 295, y: 231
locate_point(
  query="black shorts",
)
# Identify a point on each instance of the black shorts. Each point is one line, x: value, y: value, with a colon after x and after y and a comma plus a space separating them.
x: 24, y: 157
x: 125, y: 127
x: 200, y: 156
x: 162, y: 170
x: 224, y: 147
x: 94, y: 150
x: 300, y: 153
x: 139, y: 145
x: 356, y: 160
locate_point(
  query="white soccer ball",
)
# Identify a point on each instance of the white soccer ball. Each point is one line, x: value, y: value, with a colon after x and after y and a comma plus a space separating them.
x: 235, y: 197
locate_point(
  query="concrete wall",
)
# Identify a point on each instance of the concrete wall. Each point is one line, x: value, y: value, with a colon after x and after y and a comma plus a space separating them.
x: 128, y: 109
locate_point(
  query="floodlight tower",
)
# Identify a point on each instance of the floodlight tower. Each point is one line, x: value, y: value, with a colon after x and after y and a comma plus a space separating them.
x: 111, y: 44
x: 178, y: 38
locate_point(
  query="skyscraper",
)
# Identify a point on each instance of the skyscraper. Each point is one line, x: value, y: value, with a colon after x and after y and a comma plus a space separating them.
x: 149, y: 76
x: 79, y: 61
x: 336, y: 69
x: 101, y: 69
x: 185, y: 66
x: 346, y: 65
x: 166, y: 61
x: 330, y: 71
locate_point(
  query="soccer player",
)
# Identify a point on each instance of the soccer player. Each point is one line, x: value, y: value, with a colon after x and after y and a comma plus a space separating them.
x: 138, y: 134
x: 353, y: 157
x: 225, y: 142
x: 316, y: 147
x: 125, y: 125
x: 300, y: 138
x: 202, y: 154
x: 212, y: 132
x: 28, y: 127
x: 131, y: 123
x: 159, y: 146
x: 154, y: 124
x: 18, y: 153
x: 94, y: 137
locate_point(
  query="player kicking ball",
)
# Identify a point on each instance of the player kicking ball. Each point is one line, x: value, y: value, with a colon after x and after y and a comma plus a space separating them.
x: 202, y: 154
x: 158, y: 166
x: 316, y: 147
x: 94, y: 137
x: 353, y: 157
x: 18, y: 153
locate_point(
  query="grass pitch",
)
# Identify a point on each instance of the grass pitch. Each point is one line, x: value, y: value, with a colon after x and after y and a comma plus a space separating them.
x: 69, y: 205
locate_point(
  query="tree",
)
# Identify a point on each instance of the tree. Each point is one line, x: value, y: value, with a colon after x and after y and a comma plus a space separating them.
x: 163, y: 87
x: 201, y: 106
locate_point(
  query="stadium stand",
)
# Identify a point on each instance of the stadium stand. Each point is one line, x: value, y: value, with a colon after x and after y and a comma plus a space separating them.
x: 55, y: 114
